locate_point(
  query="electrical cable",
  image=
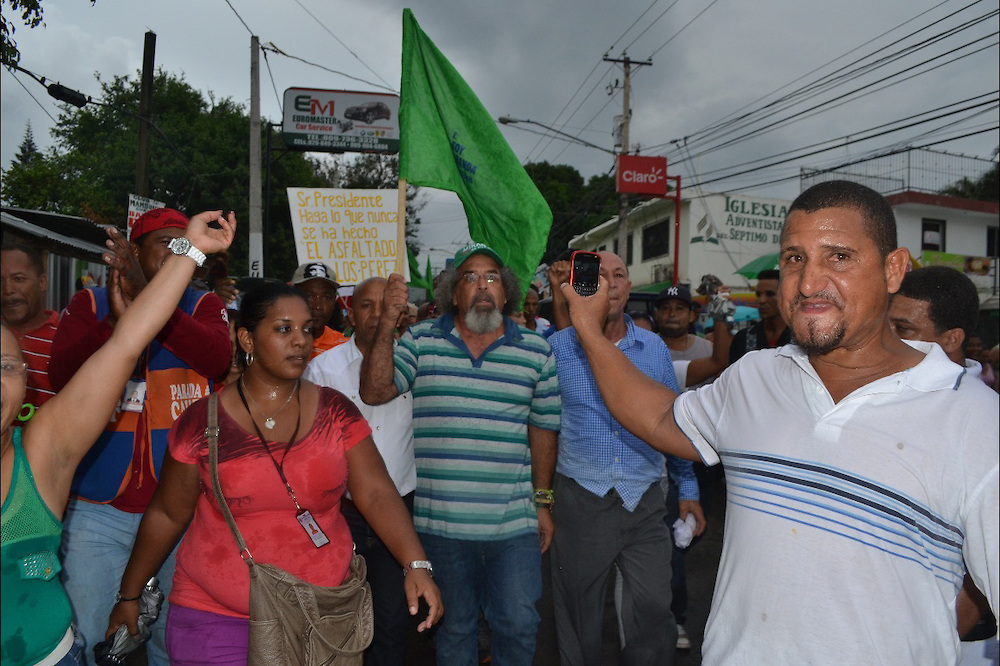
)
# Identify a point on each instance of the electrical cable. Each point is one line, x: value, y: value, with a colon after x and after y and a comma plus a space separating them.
x: 40, y: 105
x: 274, y: 49
x: 239, y: 17
x: 340, y: 41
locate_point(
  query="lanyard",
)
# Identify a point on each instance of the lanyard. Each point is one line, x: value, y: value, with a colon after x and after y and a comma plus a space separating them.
x: 260, y: 435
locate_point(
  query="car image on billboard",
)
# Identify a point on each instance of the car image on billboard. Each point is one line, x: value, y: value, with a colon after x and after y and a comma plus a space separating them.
x: 368, y: 112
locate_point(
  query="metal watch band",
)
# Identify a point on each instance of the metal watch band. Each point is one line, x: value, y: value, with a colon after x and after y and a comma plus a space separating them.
x: 419, y: 564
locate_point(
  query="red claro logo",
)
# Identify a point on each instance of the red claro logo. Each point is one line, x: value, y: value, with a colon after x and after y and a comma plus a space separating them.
x: 638, y: 174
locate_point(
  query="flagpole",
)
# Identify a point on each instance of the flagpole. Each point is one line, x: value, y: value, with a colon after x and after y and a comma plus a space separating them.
x: 401, y: 229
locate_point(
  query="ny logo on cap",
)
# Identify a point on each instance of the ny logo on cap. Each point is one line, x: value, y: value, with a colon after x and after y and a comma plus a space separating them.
x: 673, y: 291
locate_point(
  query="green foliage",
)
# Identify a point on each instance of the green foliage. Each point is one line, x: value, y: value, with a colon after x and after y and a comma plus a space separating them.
x: 374, y: 171
x: 31, y: 16
x: 576, y: 206
x: 199, y: 161
x: 984, y: 188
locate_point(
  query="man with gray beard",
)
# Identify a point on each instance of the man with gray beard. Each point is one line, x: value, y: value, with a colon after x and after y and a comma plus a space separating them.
x: 486, y: 412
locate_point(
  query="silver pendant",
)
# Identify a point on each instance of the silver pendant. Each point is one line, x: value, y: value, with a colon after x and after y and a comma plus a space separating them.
x: 269, y: 423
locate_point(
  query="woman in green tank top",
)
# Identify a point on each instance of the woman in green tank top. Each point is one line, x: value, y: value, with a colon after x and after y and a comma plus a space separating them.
x: 38, y: 461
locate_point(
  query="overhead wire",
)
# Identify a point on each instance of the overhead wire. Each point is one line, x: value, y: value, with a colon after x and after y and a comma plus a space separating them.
x: 31, y: 95
x: 701, y: 135
x: 341, y: 42
x: 842, y: 99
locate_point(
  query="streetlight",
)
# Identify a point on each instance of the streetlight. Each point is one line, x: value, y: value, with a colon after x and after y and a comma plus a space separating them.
x: 508, y: 120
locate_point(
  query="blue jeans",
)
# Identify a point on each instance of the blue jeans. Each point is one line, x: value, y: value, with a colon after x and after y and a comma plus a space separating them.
x: 97, y: 543
x: 502, y: 577
x: 75, y: 656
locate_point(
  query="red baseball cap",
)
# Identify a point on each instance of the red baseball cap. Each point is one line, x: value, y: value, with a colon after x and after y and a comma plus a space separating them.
x: 156, y: 219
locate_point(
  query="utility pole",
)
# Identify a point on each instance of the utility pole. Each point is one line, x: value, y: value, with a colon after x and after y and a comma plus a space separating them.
x: 626, y: 63
x: 142, y: 158
x: 255, y: 263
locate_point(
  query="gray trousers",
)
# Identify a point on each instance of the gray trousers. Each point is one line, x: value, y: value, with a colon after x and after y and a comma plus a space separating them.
x: 592, y: 534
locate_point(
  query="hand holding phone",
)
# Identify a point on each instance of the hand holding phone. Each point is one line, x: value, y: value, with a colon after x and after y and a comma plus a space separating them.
x: 585, y: 271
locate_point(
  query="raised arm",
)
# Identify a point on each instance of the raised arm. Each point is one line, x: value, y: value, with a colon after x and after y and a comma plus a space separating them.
x: 71, y: 422
x: 377, y: 370
x: 559, y: 273
x: 707, y: 367
x: 642, y: 405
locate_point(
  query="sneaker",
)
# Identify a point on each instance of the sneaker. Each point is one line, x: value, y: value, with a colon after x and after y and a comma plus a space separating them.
x: 683, y: 640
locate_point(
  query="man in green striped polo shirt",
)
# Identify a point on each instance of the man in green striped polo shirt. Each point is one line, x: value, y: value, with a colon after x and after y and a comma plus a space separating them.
x: 486, y: 412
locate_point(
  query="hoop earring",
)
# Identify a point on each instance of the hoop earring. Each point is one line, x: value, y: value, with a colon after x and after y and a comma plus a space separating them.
x: 249, y: 358
x: 24, y: 418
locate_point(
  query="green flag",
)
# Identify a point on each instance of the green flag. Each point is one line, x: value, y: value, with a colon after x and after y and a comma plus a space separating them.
x: 429, y: 280
x: 449, y: 141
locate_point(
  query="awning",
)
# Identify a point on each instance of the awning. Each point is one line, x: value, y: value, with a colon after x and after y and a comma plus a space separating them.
x: 69, y: 244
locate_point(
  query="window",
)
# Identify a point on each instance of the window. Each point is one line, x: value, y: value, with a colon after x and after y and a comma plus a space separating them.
x: 992, y: 242
x: 656, y: 240
x: 628, y: 249
x: 932, y: 235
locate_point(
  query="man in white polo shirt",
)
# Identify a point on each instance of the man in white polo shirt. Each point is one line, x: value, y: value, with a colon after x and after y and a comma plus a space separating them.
x: 861, y: 469
x: 392, y: 430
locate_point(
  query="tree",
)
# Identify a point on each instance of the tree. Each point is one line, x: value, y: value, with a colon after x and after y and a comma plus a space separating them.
x: 200, y: 160
x: 984, y: 188
x: 374, y: 171
x: 576, y: 207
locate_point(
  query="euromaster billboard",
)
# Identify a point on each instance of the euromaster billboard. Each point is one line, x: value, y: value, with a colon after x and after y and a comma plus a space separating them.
x: 639, y: 174
x: 339, y: 121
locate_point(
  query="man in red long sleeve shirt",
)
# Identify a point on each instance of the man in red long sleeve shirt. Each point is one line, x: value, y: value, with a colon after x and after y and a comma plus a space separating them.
x: 115, y: 482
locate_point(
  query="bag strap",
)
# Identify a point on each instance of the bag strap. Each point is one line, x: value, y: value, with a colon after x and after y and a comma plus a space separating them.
x: 212, y: 433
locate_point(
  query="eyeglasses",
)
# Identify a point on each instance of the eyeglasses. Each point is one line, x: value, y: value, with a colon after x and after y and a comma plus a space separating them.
x: 13, y: 368
x: 473, y: 278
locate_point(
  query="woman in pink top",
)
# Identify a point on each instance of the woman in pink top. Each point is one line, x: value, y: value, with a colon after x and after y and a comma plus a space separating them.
x: 285, y: 446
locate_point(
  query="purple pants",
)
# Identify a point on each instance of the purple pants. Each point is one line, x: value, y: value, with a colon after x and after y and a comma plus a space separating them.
x: 201, y: 637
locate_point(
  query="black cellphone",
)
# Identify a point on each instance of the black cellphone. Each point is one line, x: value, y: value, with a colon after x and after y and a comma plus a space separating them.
x: 585, y: 272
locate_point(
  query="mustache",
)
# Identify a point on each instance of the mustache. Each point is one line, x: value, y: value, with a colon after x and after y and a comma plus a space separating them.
x: 828, y: 296
x: 484, y: 298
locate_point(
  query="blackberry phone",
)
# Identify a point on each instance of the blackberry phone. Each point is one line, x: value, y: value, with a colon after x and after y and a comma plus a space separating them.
x: 584, y: 272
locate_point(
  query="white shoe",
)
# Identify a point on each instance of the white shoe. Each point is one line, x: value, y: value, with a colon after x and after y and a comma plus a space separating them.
x: 683, y: 640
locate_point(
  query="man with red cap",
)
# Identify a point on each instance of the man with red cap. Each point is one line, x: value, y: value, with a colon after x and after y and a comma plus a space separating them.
x: 116, y: 480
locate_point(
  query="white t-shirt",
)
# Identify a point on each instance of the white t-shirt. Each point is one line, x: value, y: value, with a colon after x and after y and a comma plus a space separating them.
x: 391, y: 423
x: 847, y: 523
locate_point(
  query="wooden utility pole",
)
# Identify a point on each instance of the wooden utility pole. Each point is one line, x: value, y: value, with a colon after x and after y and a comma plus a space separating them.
x: 256, y: 258
x: 142, y: 158
x: 626, y: 63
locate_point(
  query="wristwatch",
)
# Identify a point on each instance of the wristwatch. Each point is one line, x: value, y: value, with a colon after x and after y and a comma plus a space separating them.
x: 182, y: 246
x: 419, y: 564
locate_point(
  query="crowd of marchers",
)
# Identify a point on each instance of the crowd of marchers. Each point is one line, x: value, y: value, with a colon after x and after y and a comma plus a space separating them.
x: 467, y: 446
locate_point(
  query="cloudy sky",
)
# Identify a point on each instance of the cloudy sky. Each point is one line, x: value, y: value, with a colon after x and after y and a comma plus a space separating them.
x: 734, y: 86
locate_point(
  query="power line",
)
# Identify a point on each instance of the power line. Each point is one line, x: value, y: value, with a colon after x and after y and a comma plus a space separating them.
x: 697, y: 16
x: 40, y: 105
x: 271, y: 47
x: 239, y: 17
x: 746, y: 119
x: 339, y: 41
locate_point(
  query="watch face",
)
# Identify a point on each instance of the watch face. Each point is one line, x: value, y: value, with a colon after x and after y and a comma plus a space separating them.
x: 180, y: 245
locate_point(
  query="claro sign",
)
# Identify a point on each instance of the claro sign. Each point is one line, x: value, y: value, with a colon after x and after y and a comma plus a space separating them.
x: 638, y: 174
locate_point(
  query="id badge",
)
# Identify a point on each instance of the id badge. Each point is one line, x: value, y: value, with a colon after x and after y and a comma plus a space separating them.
x: 134, y: 395
x: 312, y: 528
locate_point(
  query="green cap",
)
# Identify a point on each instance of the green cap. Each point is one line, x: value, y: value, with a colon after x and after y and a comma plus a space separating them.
x: 476, y: 248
